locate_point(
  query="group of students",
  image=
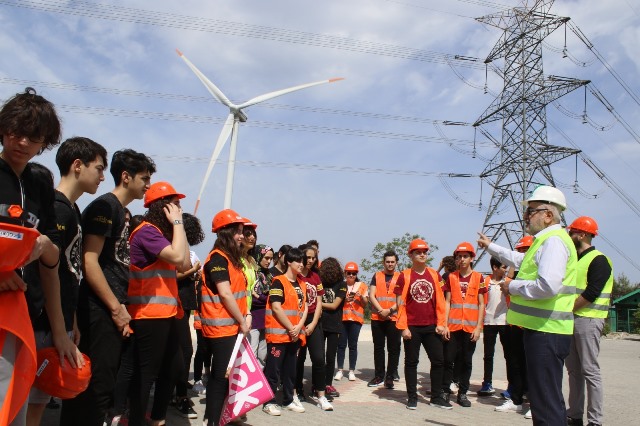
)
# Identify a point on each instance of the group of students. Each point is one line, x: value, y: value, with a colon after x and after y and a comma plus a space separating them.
x: 121, y: 289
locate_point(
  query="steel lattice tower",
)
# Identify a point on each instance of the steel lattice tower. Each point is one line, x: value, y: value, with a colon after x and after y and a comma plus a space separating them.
x: 524, y: 157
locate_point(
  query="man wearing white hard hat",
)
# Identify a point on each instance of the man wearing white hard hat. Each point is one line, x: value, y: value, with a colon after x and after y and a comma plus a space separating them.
x: 542, y: 299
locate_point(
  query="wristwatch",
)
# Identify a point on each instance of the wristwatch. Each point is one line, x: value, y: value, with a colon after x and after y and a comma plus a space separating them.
x: 177, y: 222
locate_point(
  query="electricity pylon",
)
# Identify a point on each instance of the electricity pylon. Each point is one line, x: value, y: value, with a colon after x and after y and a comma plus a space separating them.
x: 524, y: 158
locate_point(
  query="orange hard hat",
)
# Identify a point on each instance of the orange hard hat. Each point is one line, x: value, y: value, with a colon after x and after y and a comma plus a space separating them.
x: 525, y: 242
x: 465, y: 247
x: 58, y: 381
x: 418, y: 244
x: 351, y: 267
x: 584, y: 224
x: 160, y: 190
x: 226, y: 217
x: 16, y: 244
x: 249, y: 224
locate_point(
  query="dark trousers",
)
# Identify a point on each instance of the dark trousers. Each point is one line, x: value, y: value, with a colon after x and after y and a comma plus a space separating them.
x: 202, y: 356
x: 381, y: 331
x: 426, y: 337
x: 350, y: 338
x: 315, y: 346
x: 124, y: 378
x: 459, y: 350
x: 516, y: 364
x: 490, y: 335
x: 281, y: 367
x: 102, y: 343
x: 221, y: 349
x: 157, y: 358
x: 545, y: 363
x: 331, y: 345
x: 186, y: 346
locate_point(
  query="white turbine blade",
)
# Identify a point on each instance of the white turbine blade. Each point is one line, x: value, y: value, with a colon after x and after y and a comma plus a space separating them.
x: 224, y: 135
x: 272, y: 95
x: 212, y: 88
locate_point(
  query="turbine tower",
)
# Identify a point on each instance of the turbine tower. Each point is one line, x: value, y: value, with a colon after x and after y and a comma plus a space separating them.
x: 524, y: 158
x: 232, y: 124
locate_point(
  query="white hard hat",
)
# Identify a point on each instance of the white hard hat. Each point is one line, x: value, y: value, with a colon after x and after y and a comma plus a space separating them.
x: 548, y: 194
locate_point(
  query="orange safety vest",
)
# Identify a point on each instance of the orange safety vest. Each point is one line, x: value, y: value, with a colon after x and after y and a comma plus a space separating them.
x: 214, y: 317
x: 441, y: 320
x: 197, y: 324
x: 487, y: 283
x: 463, y: 314
x: 274, y: 331
x: 14, y: 319
x: 385, y: 298
x: 153, y: 290
x: 354, y: 310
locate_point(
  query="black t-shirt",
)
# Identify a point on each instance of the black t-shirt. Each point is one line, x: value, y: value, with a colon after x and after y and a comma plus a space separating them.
x: 332, y: 320
x: 187, y: 293
x: 216, y: 270
x: 35, y: 196
x: 276, y: 292
x: 70, y: 269
x: 105, y: 217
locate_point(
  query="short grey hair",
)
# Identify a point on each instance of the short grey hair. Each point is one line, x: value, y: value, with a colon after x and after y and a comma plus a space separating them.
x: 555, y: 211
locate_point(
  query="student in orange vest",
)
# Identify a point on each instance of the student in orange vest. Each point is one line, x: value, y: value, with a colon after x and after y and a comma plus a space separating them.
x: 223, y: 309
x: 383, y: 322
x: 158, y: 248
x: 285, y: 315
x: 495, y: 323
x: 352, y: 319
x: 464, y: 291
x: 421, y: 317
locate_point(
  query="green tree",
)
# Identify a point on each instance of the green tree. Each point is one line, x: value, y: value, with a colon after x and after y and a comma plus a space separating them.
x: 622, y: 286
x: 400, y: 246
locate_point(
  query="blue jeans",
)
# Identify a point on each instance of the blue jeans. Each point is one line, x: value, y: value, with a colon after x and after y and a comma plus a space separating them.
x: 545, y: 363
x: 349, y: 337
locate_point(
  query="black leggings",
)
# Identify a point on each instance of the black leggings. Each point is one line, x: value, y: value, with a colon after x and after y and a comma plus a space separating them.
x: 331, y: 340
x: 184, y: 336
x: 221, y: 349
x: 202, y: 357
x: 157, y: 357
x: 315, y: 346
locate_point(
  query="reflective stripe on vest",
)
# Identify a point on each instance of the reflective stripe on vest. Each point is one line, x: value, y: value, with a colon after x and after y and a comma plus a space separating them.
x: 354, y: 310
x: 552, y: 315
x: 600, y: 307
x: 153, y: 290
x: 274, y: 331
x: 386, y: 298
x: 216, y: 320
x: 464, y: 314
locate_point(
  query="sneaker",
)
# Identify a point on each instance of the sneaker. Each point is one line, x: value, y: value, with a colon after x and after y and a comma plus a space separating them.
x: 297, y: 402
x: 324, y: 404
x: 185, y: 409
x: 296, y: 408
x: 441, y: 402
x: 331, y: 391
x: 338, y: 375
x: 506, y: 394
x: 528, y: 414
x: 508, y: 406
x: 486, y: 389
x: 116, y: 420
x: 396, y: 377
x: 388, y: 382
x: 574, y: 422
x: 200, y: 388
x: 301, y: 396
x: 463, y: 400
x: 412, y: 403
x: 352, y: 376
x: 272, y: 410
x: 315, y: 397
x: 375, y: 382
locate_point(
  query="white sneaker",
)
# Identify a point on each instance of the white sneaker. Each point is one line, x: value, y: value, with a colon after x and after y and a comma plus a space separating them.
x: 508, y: 406
x: 352, y: 376
x: 324, y: 404
x: 528, y: 414
x: 272, y: 410
x: 296, y: 408
x: 200, y: 387
x: 116, y: 420
x: 338, y: 375
x: 296, y: 401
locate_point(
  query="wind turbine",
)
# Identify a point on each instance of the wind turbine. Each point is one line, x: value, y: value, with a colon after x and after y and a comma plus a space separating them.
x: 231, y: 125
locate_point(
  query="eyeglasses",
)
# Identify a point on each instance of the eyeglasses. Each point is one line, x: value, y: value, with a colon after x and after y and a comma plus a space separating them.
x: 352, y: 274
x: 530, y: 212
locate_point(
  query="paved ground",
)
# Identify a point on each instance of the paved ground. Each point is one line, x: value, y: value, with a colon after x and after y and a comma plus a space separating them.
x: 360, y: 405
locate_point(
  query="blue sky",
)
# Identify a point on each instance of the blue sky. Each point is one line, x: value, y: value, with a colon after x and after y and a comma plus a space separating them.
x: 351, y: 163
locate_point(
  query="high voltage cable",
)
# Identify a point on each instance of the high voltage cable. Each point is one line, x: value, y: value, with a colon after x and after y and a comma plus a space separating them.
x: 172, y: 20
x: 76, y: 109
